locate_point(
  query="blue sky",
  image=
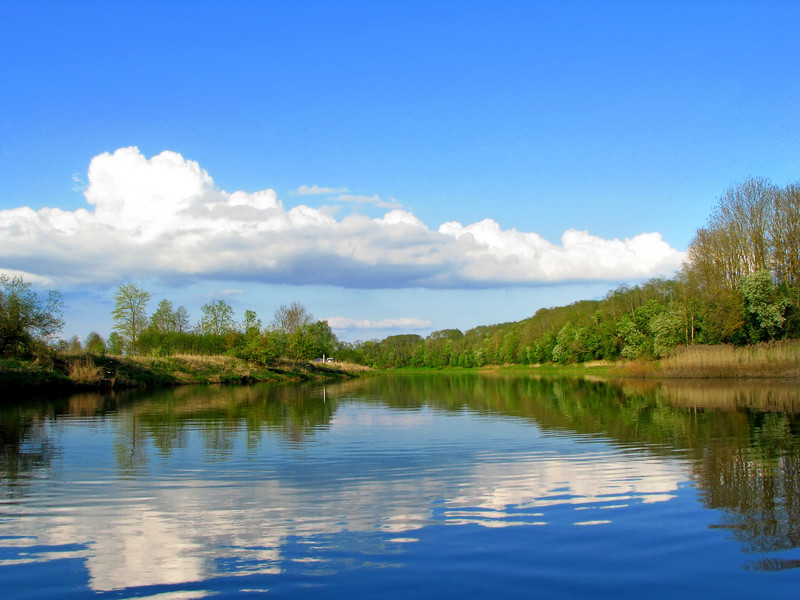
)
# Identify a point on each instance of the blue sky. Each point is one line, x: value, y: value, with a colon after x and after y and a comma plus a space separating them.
x: 475, y: 161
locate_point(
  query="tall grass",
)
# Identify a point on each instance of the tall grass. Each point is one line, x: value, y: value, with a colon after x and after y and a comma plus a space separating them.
x: 774, y: 359
x: 83, y: 370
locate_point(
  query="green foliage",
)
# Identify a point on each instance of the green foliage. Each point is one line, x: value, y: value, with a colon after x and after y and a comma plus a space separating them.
x: 217, y: 318
x: 666, y: 329
x: 164, y: 319
x: 26, y: 319
x: 116, y: 343
x: 764, y: 307
x: 251, y: 321
x: 260, y: 348
x: 95, y: 344
x: 130, y: 314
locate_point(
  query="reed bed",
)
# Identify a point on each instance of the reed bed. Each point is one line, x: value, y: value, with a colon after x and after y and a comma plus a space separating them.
x: 774, y: 359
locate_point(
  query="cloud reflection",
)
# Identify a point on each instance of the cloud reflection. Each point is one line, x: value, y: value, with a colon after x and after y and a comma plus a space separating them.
x: 197, y: 528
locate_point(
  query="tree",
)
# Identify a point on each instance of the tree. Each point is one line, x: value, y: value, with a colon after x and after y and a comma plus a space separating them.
x: 95, y: 344
x: 737, y: 238
x: 130, y: 314
x: 289, y: 319
x: 251, y: 323
x: 217, y: 318
x: 75, y: 346
x: 181, y: 317
x: 764, y: 306
x: 116, y: 344
x: 25, y: 317
x: 163, y: 320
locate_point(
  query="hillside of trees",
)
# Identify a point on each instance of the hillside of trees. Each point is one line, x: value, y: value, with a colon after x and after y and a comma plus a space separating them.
x: 739, y: 285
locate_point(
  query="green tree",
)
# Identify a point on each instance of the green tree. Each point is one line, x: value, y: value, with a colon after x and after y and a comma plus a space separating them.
x: 130, y: 314
x: 217, y: 318
x: 251, y: 322
x: 95, y: 344
x: 163, y: 320
x: 25, y: 317
x: 764, y: 306
x: 668, y: 330
x: 116, y: 343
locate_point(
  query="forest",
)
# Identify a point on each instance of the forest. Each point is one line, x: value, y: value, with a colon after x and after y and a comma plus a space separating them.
x: 739, y: 285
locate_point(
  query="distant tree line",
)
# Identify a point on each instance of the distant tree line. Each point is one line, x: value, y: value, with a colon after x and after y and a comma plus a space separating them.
x: 293, y: 332
x: 740, y: 284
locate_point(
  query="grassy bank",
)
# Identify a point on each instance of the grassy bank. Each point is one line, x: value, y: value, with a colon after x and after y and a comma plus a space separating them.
x: 113, y: 372
x: 597, y: 368
x: 768, y: 360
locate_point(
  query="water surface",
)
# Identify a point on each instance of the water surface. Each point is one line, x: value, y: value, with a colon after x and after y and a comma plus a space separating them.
x: 422, y: 486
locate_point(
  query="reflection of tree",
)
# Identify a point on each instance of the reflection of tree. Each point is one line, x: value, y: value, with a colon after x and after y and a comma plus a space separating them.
x: 222, y: 413
x: 742, y: 439
x: 758, y: 484
x: 25, y: 448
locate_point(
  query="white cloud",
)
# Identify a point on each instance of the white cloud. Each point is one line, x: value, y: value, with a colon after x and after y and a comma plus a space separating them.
x: 315, y: 190
x: 374, y: 200
x: 407, y: 323
x: 163, y: 216
x: 31, y: 278
x: 78, y: 184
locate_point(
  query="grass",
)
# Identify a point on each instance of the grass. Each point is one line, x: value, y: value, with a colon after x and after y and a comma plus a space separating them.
x: 774, y: 360
x: 598, y: 368
x: 99, y: 372
x: 84, y: 371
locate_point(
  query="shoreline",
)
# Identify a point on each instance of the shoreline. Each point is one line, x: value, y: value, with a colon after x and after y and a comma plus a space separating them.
x: 80, y: 372
x: 99, y: 373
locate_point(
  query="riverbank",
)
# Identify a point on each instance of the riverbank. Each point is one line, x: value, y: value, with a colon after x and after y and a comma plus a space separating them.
x: 774, y: 360
x: 117, y: 372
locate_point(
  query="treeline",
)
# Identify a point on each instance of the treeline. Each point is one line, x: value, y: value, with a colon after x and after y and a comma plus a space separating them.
x: 293, y: 332
x: 739, y: 285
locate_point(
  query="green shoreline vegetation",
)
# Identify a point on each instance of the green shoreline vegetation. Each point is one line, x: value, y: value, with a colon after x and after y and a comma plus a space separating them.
x: 86, y: 371
x: 733, y: 310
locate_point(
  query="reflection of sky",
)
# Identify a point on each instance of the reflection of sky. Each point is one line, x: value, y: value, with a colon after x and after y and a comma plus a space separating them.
x: 393, y: 472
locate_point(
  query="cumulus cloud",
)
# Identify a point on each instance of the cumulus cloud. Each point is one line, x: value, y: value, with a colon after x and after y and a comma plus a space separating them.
x: 408, y: 323
x: 315, y: 190
x: 164, y: 216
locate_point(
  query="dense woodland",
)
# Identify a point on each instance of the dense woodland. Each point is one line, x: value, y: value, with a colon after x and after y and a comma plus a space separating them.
x: 739, y: 285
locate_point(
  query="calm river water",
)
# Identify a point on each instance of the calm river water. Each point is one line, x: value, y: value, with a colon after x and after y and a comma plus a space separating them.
x: 415, y: 486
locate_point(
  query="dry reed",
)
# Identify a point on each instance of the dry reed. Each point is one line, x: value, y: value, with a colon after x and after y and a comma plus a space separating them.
x: 83, y: 370
x: 774, y: 359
